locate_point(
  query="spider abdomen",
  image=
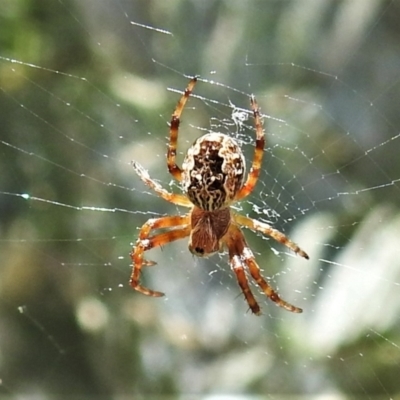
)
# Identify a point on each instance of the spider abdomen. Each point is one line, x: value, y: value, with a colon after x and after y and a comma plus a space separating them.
x: 213, y: 171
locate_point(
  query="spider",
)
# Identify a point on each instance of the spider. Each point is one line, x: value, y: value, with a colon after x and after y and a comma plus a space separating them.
x: 212, y: 178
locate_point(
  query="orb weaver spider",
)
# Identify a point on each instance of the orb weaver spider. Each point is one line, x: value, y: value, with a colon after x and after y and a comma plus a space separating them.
x: 212, y: 178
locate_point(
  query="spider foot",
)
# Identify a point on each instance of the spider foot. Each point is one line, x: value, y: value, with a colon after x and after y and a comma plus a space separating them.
x: 291, y: 308
x: 255, y: 309
x: 148, y: 263
x: 303, y: 254
x: 284, y: 304
x: 146, y: 291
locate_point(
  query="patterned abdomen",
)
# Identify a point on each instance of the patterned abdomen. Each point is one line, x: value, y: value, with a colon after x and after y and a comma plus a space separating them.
x: 213, y: 171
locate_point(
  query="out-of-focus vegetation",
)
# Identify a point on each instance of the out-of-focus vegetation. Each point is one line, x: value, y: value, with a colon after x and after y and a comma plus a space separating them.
x: 78, y: 81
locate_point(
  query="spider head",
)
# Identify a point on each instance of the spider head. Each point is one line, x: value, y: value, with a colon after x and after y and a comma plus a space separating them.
x: 201, y: 244
x: 213, y: 171
x: 208, y: 228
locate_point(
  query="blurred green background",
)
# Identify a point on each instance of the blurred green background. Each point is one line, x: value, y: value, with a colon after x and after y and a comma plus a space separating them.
x: 83, y: 91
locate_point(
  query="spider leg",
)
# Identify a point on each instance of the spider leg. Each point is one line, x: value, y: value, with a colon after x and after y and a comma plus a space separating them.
x: 243, y: 282
x: 255, y: 169
x: 240, y: 253
x: 146, y: 242
x: 173, y: 168
x: 235, y: 242
x: 270, y: 231
x: 254, y: 269
x: 175, y: 198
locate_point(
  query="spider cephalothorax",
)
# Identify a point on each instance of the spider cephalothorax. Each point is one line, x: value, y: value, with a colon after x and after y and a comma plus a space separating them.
x: 208, y: 228
x: 212, y: 178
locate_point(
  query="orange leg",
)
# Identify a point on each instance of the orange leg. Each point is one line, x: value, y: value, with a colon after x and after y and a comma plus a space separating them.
x: 146, y: 242
x: 175, y: 198
x: 174, y: 170
x: 255, y: 169
x: 266, y: 288
x: 241, y: 277
x: 240, y: 253
x: 270, y: 231
x: 235, y: 242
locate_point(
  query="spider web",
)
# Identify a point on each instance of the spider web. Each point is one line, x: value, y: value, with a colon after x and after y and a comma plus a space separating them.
x: 87, y: 87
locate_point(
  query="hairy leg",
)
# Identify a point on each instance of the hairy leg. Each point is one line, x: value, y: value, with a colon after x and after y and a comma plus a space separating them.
x: 238, y: 269
x: 255, y: 169
x: 146, y: 242
x: 254, y: 269
x: 173, y: 168
x: 270, y: 231
x: 239, y: 254
x: 174, y: 198
x: 235, y: 242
